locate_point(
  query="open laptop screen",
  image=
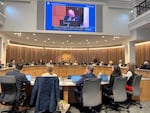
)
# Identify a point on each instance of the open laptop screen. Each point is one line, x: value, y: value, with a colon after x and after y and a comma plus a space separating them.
x: 29, y: 77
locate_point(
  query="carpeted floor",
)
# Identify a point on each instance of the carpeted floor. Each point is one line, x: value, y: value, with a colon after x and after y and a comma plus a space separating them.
x: 132, y: 109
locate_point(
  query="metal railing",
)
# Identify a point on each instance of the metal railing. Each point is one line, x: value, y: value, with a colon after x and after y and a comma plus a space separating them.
x: 143, y: 7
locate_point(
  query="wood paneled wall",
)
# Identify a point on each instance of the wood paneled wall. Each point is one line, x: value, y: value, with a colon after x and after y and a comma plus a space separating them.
x: 30, y: 54
x: 142, y: 53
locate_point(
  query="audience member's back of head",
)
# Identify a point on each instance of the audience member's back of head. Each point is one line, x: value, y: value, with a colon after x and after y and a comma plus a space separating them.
x: 131, y: 67
x: 50, y: 69
x: 90, y: 68
x: 19, y: 66
x: 116, y: 70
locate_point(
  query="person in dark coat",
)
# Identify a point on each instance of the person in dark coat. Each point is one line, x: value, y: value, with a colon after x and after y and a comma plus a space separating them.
x: 116, y: 72
x: 20, y: 80
x: 45, y: 94
x: 146, y: 65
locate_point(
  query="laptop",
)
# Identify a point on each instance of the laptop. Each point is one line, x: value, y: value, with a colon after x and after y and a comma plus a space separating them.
x: 29, y: 77
x: 75, y: 78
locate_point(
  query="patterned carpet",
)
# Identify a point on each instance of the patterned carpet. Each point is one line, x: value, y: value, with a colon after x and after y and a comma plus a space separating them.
x: 132, y: 109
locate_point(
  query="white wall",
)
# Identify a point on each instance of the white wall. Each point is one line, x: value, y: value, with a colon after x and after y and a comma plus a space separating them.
x: 20, y: 16
x: 115, y: 21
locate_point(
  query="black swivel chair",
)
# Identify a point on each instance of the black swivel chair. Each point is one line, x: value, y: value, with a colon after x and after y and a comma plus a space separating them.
x: 91, y: 93
x: 119, y: 94
x: 9, y: 94
x: 135, y: 90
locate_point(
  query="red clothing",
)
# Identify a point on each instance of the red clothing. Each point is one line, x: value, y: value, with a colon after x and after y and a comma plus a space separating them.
x: 129, y: 88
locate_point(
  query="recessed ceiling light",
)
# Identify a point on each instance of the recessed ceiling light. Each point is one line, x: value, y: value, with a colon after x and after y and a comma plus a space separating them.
x: 35, y: 39
x: 67, y: 40
x: 53, y: 42
x: 131, y: 11
x: 97, y: 41
x: 62, y: 42
x: 27, y: 37
x: 86, y: 40
x: 69, y: 35
x: 113, y: 38
x: 103, y: 36
x: 48, y: 39
x: 34, y: 34
x: 105, y: 40
x: 1, y: 3
x: 44, y: 41
x: 117, y: 37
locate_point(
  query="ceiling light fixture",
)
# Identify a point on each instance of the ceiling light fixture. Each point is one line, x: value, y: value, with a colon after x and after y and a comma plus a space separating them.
x: 34, y: 34
x: 103, y: 36
x: 53, y: 42
x: 105, y: 40
x: 116, y: 37
x: 44, y: 41
x: 48, y: 39
x: 35, y: 39
x: 27, y: 37
x: 69, y: 35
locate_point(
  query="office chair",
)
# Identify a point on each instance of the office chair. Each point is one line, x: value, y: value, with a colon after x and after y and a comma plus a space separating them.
x: 135, y: 90
x: 9, y: 94
x: 119, y: 95
x: 91, y: 93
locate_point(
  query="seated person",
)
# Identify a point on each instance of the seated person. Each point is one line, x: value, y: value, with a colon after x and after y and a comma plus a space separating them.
x: 101, y: 63
x: 12, y: 63
x: 120, y: 63
x: 146, y: 65
x: 41, y: 62
x: 95, y: 61
x: 110, y: 63
x: 20, y: 79
x: 71, y: 16
x: 88, y: 74
x: 51, y: 62
x: 75, y: 63
x: 116, y: 72
x: 33, y: 63
x: 130, y: 74
x: 49, y: 71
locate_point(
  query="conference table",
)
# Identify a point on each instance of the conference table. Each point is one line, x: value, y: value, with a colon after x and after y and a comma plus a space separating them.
x: 66, y: 85
x: 64, y: 71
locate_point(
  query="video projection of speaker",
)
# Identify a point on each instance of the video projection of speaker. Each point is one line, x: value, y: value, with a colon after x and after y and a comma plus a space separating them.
x: 63, y: 16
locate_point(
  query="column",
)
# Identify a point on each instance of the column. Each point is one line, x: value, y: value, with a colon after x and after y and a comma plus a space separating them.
x: 3, y: 45
x: 129, y: 52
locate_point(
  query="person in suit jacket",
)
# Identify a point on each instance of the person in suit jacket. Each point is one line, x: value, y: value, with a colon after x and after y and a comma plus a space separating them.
x: 146, y: 65
x: 20, y: 79
x: 88, y: 74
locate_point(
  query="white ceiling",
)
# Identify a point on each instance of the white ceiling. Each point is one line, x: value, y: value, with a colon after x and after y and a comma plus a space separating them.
x: 59, y: 40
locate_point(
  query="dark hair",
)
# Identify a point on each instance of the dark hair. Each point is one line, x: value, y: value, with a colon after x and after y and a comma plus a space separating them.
x: 117, y: 70
x: 19, y: 66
